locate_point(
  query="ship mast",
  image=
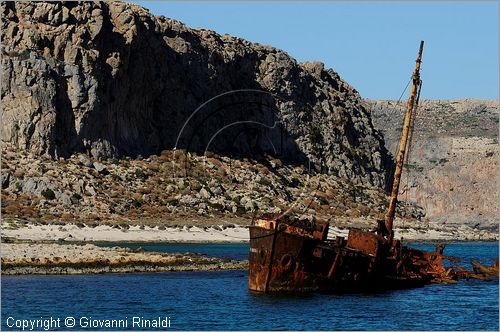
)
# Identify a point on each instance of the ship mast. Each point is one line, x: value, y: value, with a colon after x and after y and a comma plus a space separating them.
x: 389, y: 217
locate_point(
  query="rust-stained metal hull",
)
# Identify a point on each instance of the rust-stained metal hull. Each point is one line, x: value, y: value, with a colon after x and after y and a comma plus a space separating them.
x: 294, y: 256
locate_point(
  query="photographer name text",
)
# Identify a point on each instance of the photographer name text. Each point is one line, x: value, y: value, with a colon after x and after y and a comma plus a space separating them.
x: 55, y: 323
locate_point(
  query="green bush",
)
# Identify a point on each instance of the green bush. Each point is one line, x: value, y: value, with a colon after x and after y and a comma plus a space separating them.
x: 216, y: 206
x: 139, y: 173
x: 48, y: 194
x: 173, y: 201
x: 322, y: 200
x: 265, y: 182
x: 295, y: 182
x: 115, y: 177
x: 240, y: 210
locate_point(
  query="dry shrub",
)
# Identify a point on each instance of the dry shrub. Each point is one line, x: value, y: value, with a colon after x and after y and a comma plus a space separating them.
x: 47, y: 216
x: 277, y: 162
x: 195, y: 185
x: 179, y: 156
x: 166, y: 155
x: 209, y: 154
x: 330, y: 193
x: 132, y: 213
x: 214, y: 162
x: 315, y: 206
x: 163, y: 209
x: 197, y: 172
x: 351, y: 204
x: 67, y: 217
x: 337, y: 212
x: 364, y: 210
x: 18, y: 173
x: 221, y: 172
x: 355, y: 213
x: 262, y: 169
x: 24, y: 199
x: 11, y: 208
x: 29, y: 211
x: 152, y: 167
x: 143, y: 190
x: 93, y: 216
x: 117, y: 187
x: 158, y: 190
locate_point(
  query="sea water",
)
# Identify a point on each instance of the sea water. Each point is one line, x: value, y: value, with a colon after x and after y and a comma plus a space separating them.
x: 220, y: 300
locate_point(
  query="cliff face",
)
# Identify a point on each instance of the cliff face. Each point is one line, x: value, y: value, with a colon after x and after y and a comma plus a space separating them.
x: 110, y: 79
x: 453, y: 168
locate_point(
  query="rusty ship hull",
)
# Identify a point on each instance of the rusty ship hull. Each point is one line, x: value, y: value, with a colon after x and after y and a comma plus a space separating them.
x: 292, y: 255
x: 286, y: 257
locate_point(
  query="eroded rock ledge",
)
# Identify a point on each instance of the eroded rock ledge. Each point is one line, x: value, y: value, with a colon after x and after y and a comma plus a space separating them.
x: 45, y: 258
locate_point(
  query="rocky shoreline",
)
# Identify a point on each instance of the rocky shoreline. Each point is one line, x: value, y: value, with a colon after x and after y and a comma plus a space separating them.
x: 29, y: 248
x: 45, y: 258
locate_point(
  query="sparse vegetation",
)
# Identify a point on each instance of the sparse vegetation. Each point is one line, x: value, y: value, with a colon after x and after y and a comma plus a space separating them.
x: 413, y: 167
x: 135, y: 190
x: 48, y: 194
x: 139, y: 173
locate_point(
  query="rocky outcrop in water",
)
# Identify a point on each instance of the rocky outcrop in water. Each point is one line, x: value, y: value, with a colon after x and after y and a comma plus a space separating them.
x: 52, y: 258
x: 112, y: 80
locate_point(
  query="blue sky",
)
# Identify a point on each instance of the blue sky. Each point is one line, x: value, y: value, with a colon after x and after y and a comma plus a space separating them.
x: 372, y: 45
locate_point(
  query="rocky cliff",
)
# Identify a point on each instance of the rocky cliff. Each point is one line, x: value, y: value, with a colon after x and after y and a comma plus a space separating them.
x: 112, y: 80
x: 453, y: 167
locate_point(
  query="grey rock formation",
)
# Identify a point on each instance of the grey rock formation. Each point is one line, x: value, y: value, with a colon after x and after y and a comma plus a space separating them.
x: 110, y: 79
x: 453, y: 166
x: 100, y: 167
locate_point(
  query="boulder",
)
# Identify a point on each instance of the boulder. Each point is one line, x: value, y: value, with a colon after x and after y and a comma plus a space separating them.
x: 100, y: 168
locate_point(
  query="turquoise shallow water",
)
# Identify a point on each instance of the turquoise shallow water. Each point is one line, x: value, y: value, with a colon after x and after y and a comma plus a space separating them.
x: 220, y: 300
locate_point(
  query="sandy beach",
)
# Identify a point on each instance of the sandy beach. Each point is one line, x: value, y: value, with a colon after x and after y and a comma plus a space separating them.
x: 215, y: 233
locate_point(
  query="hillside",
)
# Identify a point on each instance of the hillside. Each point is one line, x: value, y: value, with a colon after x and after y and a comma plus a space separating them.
x: 110, y: 80
x: 453, y: 166
x: 111, y: 115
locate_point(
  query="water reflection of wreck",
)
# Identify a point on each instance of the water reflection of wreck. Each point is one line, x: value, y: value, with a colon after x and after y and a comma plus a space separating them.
x: 288, y: 254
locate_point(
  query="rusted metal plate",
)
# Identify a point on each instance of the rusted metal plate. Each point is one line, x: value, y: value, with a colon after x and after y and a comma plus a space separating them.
x: 259, y: 258
x: 317, y: 230
x: 263, y: 223
x: 365, y: 242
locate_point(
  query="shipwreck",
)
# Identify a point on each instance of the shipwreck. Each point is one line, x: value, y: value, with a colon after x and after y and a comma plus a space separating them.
x: 292, y: 255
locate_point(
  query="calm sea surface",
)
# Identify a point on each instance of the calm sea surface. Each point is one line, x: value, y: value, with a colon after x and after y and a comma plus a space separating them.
x: 220, y: 300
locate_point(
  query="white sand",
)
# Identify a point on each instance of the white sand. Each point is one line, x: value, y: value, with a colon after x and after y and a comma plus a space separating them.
x: 133, y: 234
x: 195, y: 234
